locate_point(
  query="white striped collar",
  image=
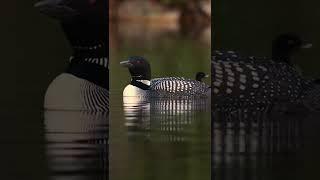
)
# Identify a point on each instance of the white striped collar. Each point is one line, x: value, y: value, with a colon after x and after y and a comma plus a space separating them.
x: 102, y: 61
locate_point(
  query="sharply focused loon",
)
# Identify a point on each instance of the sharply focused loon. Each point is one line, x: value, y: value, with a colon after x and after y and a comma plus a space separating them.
x: 142, y: 85
x: 85, y: 83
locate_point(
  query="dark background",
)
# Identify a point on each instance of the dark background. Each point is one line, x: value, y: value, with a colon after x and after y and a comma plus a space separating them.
x: 249, y: 26
x: 33, y: 52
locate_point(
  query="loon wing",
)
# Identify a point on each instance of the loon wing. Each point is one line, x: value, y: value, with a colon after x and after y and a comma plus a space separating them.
x: 178, y: 86
x: 219, y: 55
x: 253, y: 81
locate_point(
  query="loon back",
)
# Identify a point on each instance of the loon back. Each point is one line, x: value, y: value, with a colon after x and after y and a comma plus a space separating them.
x: 178, y: 86
x: 239, y: 82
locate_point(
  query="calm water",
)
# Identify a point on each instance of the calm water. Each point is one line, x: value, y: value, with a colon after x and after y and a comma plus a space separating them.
x: 252, y: 146
x: 76, y: 145
x: 159, y: 138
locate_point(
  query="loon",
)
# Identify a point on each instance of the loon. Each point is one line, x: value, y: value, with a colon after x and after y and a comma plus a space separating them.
x: 284, y: 46
x: 200, y: 76
x: 142, y: 85
x: 260, y: 84
x: 85, y: 83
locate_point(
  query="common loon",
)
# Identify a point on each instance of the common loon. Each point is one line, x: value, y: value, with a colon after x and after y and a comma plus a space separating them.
x: 142, y: 85
x: 85, y: 83
x: 200, y: 76
x: 284, y: 46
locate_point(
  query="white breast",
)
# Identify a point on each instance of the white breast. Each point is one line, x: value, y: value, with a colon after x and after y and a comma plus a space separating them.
x: 131, y: 90
x: 68, y: 92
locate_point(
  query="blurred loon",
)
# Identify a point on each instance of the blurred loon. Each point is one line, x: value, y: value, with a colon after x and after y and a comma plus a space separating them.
x: 142, y: 85
x: 239, y: 81
x: 85, y: 83
x: 284, y: 46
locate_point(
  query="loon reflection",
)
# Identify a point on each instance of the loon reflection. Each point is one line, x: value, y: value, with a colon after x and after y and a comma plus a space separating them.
x: 258, y: 108
x: 241, y: 147
x: 169, y: 118
x: 77, y: 144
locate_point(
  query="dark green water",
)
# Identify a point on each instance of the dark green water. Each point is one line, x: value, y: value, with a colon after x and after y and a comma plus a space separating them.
x: 159, y: 139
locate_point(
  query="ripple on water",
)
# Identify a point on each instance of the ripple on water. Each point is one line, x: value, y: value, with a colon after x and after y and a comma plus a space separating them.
x: 77, y: 144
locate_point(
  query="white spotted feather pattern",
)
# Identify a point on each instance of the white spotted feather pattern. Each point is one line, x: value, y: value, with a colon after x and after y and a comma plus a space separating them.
x: 177, y: 86
x: 250, y: 81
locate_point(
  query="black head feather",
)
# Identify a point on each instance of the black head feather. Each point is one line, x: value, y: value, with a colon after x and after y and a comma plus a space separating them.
x: 285, y: 45
x: 139, y: 67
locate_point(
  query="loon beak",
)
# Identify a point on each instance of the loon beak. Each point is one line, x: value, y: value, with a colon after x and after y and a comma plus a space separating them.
x: 306, y: 45
x: 126, y: 64
x: 55, y: 8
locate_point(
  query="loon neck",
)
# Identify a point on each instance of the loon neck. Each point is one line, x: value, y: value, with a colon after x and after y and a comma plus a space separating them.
x: 93, y: 54
x: 142, y: 84
x: 279, y: 56
x: 88, y: 38
x: 94, y: 69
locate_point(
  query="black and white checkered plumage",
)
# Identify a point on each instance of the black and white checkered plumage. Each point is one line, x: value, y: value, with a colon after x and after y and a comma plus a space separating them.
x: 178, y: 86
x: 142, y: 84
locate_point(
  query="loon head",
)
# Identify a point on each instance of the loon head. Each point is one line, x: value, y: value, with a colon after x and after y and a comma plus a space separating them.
x: 285, y: 45
x: 200, y: 76
x: 139, y: 68
x: 66, y: 10
x: 85, y: 22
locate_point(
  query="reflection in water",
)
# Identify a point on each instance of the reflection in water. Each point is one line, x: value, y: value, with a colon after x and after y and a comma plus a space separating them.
x: 166, y: 139
x: 77, y: 145
x: 169, y: 117
x: 243, y: 146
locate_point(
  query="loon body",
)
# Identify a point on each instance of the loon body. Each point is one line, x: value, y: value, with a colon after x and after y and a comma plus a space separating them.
x: 85, y: 83
x: 142, y: 85
x: 257, y: 83
x: 247, y: 80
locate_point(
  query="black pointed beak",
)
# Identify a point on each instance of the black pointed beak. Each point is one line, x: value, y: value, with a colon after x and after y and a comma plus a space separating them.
x: 56, y: 9
x: 126, y: 64
x: 306, y: 45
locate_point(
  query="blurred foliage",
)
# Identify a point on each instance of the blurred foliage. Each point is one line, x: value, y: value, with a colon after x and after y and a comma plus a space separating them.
x: 176, y: 3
